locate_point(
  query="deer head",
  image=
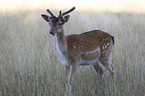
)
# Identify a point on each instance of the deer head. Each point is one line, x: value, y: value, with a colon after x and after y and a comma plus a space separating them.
x: 56, y: 23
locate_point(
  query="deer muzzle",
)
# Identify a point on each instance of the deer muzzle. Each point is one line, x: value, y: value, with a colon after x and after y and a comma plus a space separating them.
x: 52, y: 32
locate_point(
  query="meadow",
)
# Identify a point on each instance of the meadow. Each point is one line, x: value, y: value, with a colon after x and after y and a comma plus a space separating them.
x: 29, y: 65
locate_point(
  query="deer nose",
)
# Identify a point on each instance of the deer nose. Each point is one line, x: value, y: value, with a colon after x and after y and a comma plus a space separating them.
x: 52, y: 32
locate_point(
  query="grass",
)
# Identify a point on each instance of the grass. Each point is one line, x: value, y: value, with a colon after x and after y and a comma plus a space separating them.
x: 29, y: 64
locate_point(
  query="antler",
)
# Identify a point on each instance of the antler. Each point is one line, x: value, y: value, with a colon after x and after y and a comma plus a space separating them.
x: 67, y: 11
x: 50, y: 12
x: 60, y: 12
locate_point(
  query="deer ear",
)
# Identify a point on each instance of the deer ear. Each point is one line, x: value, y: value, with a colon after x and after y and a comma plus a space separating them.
x: 66, y: 18
x: 45, y: 17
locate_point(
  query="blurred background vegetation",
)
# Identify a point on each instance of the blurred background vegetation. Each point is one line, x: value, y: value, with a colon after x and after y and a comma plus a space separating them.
x: 28, y: 56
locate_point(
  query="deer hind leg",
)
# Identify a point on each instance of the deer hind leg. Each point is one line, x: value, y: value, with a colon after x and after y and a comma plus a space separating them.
x: 99, y: 71
x: 108, y: 66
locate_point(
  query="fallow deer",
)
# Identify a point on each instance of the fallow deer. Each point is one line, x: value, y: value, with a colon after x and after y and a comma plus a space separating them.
x: 88, y: 48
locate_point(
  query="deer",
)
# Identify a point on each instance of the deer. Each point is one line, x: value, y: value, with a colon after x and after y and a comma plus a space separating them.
x: 88, y: 48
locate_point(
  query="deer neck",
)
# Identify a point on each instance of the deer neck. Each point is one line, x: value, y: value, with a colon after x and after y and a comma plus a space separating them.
x: 61, y: 43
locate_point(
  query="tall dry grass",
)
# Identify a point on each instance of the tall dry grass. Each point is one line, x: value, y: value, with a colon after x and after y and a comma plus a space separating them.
x: 28, y: 57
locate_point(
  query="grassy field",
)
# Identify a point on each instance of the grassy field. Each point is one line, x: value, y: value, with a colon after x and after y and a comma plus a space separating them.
x: 28, y: 56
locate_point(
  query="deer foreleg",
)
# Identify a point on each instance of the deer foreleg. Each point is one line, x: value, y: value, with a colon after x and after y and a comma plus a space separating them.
x: 71, y: 77
x: 67, y: 71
